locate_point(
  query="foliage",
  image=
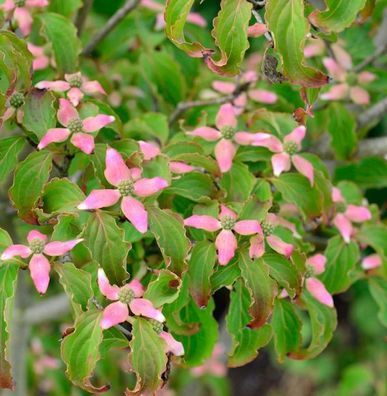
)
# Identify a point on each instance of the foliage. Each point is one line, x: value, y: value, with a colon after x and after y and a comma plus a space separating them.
x: 153, y: 171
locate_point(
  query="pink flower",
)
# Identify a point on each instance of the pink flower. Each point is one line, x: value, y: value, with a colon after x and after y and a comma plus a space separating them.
x: 225, y: 135
x: 21, y: 10
x: 75, y: 85
x: 14, y: 106
x: 128, y: 183
x: 286, y: 152
x: 171, y: 345
x: 370, y: 262
x: 314, y: 47
x: 179, y: 167
x: 125, y: 297
x: 257, y: 30
x: 350, y: 214
x: 68, y: 116
x: 41, y: 60
x: 215, y: 365
x: 257, y: 242
x: 149, y: 150
x: 39, y: 266
x: 348, y: 84
x: 239, y: 103
x: 226, y: 243
x: 315, y: 266
x: 193, y: 17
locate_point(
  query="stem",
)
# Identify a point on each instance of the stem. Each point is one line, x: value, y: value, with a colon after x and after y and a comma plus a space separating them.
x: 82, y: 15
x: 370, y: 59
x: 184, y: 106
x: 373, y: 113
x: 110, y: 25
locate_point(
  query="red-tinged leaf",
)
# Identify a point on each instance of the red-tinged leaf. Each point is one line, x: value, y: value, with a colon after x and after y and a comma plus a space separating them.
x: 170, y: 235
x: 338, y: 14
x: 176, y: 13
x: 28, y: 183
x: 245, y: 341
x: 164, y: 289
x: 201, y: 268
x: 8, y: 278
x: 230, y: 34
x: 323, y: 320
x: 147, y: 356
x: 289, y: 28
x: 80, y: 350
x: 261, y: 287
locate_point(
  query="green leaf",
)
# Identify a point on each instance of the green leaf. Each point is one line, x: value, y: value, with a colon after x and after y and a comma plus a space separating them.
x: 8, y: 278
x: 164, y: 289
x: 176, y: 13
x: 374, y: 235
x: 15, y: 63
x: 199, y: 345
x: 230, y: 34
x: 323, y: 323
x: 342, y: 129
x: 341, y: 262
x: 66, y: 8
x: 112, y: 338
x: 62, y: 35
x: 200, y: 268
x: 338, y: 15
x: 296, y: 189
x: 225, y: 275
x: 284, y: 272
x: 105, y: 241
x: 182, y: 186
x: 165, y: 74
x: 148, y: 126
x: 61, y: 195
x: 80, y: 350
x: 261, y: 287
x: 238, y: 182
x: 39, y: 112
x: 169, y: 231
x: 370, y: 172
x: 147, y: 356
x: 289, y: 28
x: 10, y: 149
x: 286, y: 328
x: 245, y: 341
x: 28, y: 182
x: 378, y: 289
x: 77, y: 285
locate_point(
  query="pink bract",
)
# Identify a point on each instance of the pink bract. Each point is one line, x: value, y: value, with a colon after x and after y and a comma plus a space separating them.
x: 39, y: 266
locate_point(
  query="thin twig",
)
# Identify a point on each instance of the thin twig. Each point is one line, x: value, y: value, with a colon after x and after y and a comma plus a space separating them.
x: 370, y: 59
x: 52, y: 308
x: 82, y: 15
x: 110, y: 25
x: 184, y: 106
x: 373, y: 113
x: 259, y: 19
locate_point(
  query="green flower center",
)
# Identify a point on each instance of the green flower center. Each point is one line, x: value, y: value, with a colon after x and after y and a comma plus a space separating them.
x: 17, y: 100
x: 20, y: 3
x: 75, y: 81
x: 126, y: 295
x: 352, y: 79
x: 157, y: 326
x: 126, y: 188
x: 267, y: 228
x: 291, y: 147
x: 340, y: 207
x: 227, y: 222
x: 76, y: 126
x: 37, y: 246
x: 227, y: 132
x: 310, y: 272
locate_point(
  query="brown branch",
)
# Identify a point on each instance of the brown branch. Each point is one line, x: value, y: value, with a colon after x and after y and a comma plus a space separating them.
x: 184, y: 106
x: 372, y: 114
x: 370, y: 59
x: 82, y: 15
x: 110, y: 25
